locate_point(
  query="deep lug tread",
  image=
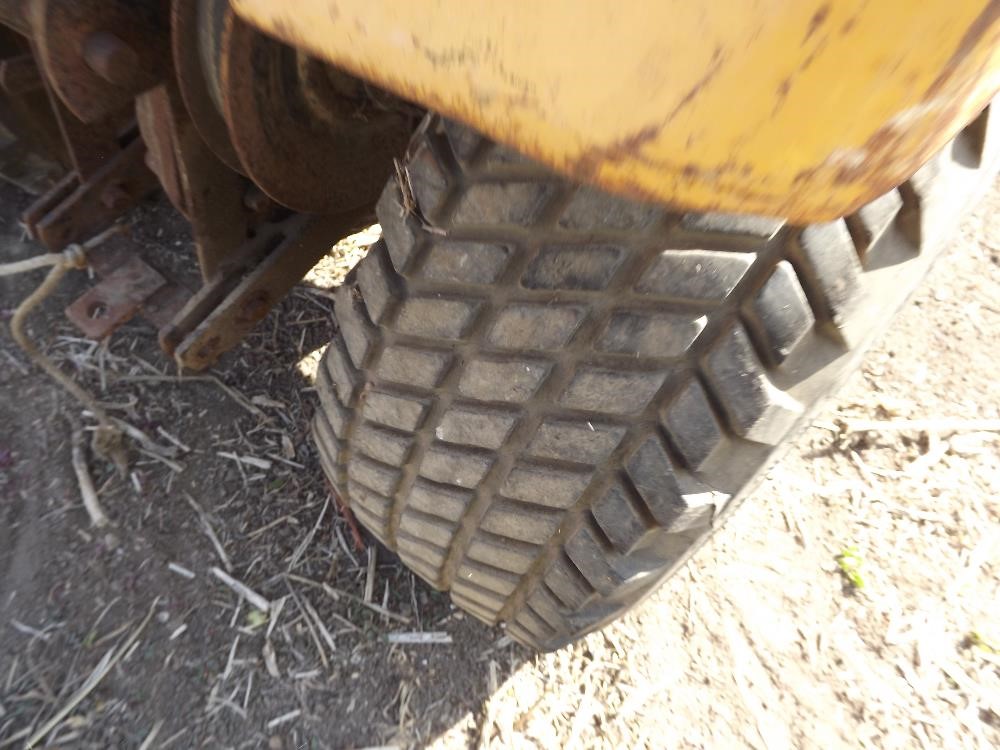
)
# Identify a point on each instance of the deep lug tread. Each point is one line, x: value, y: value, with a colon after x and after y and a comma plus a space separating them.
x: 542, y: 396
x: 871, y: 221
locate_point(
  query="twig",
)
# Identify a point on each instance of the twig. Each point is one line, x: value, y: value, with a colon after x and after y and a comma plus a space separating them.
x: 236, y: 396
x: 180, y: 570
x: 309, y: 624
x: 242, y: 589
x: 284, y: 718
x: 267, y: 526
x: 87, y: 490
x: 344, y: 546
x: 175, y: 736
x: 148, y: 742
x: 107, y: 663
x: 304, y: 544
x: 276, y: 610
x: 229, y: 662
x: 172, y: 465
x: 206, y: 526
x: 15, y: 737
x: 270, y: 660
x: 258, y: 463
x: 142, y: 438
x: 167, y: 436
x: 327, y: 636
x: 20, y: 627
x: 335, y: 594
x: 352, y: 524
x: 428, y: 637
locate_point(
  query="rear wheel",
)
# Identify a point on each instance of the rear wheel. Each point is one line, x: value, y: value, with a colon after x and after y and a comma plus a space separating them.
x: 544, y: 397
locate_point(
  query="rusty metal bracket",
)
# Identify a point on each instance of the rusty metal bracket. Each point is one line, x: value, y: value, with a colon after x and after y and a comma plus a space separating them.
x: 203, y: 188
x: 112, y: 302
x: 128, y: 287
x: 252, y: 282
x: 75, y: 209
x: 99, y: 54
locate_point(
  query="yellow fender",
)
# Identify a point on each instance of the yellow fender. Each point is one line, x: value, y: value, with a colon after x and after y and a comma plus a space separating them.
x: 804, y: 109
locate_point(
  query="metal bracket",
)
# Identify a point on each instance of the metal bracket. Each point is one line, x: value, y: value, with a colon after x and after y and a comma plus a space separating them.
x: 75, y: 209
x: 218, y: 316
x: 113, y: 301
x: 128, y: 287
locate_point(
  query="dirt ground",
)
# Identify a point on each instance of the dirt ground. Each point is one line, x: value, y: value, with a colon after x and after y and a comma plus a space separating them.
x: 854, y: 601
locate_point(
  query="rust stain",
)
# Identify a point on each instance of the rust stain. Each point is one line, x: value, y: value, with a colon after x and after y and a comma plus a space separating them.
x: 588, y: 162
x: 817, y: 20
x: 889, y: 153
x: 781, y: 94
x: 886, y: 155
x: 713, y: 69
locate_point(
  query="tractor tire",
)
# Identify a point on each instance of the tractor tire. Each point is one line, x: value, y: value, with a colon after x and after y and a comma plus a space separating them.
x: 544, y: 397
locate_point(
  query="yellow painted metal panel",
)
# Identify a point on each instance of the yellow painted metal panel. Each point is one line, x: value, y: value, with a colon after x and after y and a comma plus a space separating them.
x: 797, y: 108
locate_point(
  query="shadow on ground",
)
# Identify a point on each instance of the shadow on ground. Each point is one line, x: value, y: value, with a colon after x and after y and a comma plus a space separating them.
x: 242, y: 491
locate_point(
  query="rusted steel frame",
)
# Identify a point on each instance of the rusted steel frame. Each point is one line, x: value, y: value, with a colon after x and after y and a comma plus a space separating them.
x: 104, y: 307
x: 206, y: 191
x: 192, y: 32
x: 25, y: 109
x: 228, y: 276
x: 258, y: 277
x: 76, y: 209
x: 127, y: 287
x: 310, y: 136
x: 89, y: 148
x: 98, y: 55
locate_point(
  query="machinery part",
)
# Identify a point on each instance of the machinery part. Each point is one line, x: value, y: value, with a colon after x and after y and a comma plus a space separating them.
x: 76, y: 208
x: 25, y: 111
x: 208, y: 193
x: 544, y: 397
x: 98, y: 55
x: 106, y: 176
x: 192, y: 33
x: 311, y: 137
x: 112, y: 302
x: 315, y: 139
x: 250, y: 283
x: 29, y: 134
x: 678, y: 104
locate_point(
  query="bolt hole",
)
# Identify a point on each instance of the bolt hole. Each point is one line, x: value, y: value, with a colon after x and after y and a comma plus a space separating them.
x: 97, y: 310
